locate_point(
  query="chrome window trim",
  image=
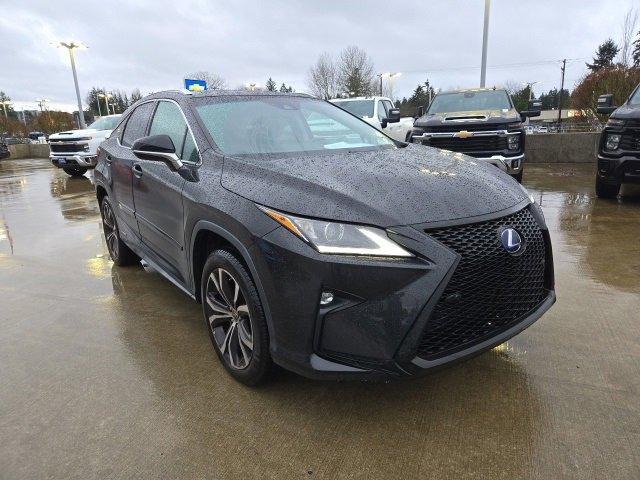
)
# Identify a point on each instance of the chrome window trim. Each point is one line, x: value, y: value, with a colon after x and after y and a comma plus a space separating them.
x: 184, y: 117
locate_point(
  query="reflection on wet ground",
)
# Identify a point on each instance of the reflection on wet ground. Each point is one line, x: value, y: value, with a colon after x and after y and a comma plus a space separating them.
x: 108, y: 372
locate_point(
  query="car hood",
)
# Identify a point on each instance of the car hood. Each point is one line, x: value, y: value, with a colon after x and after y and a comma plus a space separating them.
x: 458, y: 119
x: 627, y: 111
x: 404, y: 186
x: 87, y: 132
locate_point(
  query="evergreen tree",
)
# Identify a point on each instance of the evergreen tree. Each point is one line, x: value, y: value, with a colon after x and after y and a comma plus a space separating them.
x: 605, y: 54
x: 270, y: 85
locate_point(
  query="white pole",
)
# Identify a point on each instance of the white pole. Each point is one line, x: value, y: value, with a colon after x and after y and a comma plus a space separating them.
x: 75, y: 81
x: 485, y: 38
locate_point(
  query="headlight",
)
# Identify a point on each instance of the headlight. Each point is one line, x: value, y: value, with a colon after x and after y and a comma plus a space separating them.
x: 339, y: 238
x: 615, y: 122
x: 613, y: 140
x: 513, y: 142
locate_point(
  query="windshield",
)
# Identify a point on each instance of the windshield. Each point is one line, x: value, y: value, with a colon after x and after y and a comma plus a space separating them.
x: 281, y: 124
x: 470, y: 101
x: 105, y: 123
x: 635, y: 98
x: 360, y: 108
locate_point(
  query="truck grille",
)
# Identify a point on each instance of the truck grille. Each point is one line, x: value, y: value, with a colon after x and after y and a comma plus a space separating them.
x: 630, y: 141
x: 471, y: 144
x: 67, y: 147
x: 490, y: 290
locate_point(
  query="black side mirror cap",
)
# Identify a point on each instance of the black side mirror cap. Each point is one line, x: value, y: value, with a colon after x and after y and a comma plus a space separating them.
x: 159, y: 148
x: 393, y: 115
x: 605, y: 104
x: 420, y: 112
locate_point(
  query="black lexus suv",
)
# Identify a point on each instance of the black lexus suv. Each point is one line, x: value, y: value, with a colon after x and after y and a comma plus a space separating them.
x: 316, y: 242
x: 619, y: 147
x: 481, y: 122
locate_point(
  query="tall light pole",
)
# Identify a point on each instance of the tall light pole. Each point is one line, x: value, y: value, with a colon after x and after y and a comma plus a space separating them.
x: 70, y: 46
x: 390, y: 76
x: 485, y: 39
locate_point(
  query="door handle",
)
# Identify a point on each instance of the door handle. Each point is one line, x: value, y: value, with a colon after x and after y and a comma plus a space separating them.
x: 137, y: 170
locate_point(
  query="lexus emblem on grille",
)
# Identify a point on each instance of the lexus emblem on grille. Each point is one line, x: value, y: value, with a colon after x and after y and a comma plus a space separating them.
x: 511, y: 240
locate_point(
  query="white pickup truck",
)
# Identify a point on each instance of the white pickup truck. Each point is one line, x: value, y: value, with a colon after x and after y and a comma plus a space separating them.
x: 379, y: 112
x: 75, y: 151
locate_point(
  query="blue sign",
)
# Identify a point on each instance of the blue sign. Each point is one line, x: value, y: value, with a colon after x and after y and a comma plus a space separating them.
x: 195, y: 85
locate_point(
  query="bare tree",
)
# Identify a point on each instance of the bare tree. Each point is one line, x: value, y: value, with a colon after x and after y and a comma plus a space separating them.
x: 628, y: 30
x: 214, y: 81
x: 323, y: 78
x: 355, y: 72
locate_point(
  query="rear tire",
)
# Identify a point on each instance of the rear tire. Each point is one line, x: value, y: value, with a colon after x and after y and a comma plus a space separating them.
x: 118, y: 250
x: 75, y: 171
x: 606, y: 190
x: 235, y: 318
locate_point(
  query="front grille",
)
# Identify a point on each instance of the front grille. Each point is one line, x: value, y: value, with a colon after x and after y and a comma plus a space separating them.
x: 67, y: 147
x: 630, y: 141
x: 490, y: 290
x: 471, y: 144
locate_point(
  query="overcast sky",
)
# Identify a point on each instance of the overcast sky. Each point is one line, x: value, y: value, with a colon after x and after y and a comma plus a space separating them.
x: 152, y: 44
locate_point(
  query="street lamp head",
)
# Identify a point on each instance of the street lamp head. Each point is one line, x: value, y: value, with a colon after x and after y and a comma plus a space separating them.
x: 70, y: 45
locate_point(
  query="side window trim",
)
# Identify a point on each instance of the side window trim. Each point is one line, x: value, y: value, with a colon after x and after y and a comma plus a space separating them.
x: 126, y: 122
x: 189, y: 131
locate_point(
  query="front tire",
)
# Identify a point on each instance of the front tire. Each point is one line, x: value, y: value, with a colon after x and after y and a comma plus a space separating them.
x: 118, y: 250
x: 606, y: 190
x: 75, y: 171
x: 235, y: 318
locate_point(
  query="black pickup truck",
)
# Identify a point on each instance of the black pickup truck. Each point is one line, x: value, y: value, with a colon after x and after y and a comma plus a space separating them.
x: 619, y: 148
x: 482, y: 123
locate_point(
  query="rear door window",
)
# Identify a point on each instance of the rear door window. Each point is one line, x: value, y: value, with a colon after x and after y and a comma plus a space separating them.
x: 137, y: 124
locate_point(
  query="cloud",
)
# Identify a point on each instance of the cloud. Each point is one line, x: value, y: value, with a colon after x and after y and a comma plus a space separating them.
x: 151, y: 45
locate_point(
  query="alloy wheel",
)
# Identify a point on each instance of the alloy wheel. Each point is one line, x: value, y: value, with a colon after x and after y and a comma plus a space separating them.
x: 110, y: 229
x: 229, y: 319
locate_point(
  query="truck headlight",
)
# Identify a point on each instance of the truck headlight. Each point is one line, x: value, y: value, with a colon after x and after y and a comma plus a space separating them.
x: 513, y: 142
x: 339, y: 238
x: 613, y: 140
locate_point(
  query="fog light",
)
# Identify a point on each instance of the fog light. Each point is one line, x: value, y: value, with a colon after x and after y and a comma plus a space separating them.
x: 513, y: 142
x: 326, y: 298
x: 613, y: 140
x: 515, y: 164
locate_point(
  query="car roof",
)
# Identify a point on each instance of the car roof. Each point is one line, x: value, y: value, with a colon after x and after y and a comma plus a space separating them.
x: 183, y: 94
x: 469, y: 90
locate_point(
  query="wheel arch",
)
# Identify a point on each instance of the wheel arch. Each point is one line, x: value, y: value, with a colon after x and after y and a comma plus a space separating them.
x: 208, y: 236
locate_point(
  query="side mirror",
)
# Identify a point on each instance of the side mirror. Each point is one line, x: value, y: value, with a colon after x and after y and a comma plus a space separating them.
x: 393, y: 115
x: 533, y: 110
x: 159, y: 148
x: 605, y: 104
x: 420, y: 111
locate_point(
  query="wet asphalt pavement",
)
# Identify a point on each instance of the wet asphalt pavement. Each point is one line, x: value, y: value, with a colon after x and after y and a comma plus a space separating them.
x: 108, y: 372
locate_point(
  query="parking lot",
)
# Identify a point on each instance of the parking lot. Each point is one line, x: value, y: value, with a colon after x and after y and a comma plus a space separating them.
x: 109, y: 372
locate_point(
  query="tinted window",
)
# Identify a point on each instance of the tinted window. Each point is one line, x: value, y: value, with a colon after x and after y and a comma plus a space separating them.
x: 382, y: 114
x: 360, y: 108
x: 137, y: 124
x: 469, y: 101
x: 190, y: 152
x: 168, y: 120
x: 264, y: 124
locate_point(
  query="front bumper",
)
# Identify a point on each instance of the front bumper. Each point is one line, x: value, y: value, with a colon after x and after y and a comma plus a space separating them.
x: 624, y: 169
x: 62, y: 160
x: 374, y: 327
